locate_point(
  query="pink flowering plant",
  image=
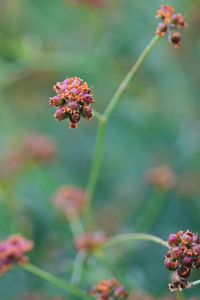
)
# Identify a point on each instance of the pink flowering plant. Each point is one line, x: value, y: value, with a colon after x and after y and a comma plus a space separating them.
x: 73, y: 101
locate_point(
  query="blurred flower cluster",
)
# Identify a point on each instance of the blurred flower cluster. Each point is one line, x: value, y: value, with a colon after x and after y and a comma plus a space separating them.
x: 33, y: 148
x: 171, y: 21
x: 162, y: 177
x: 110, y: 289
x: 70, y: 201
x: 89, y: 241
x: 12, y: 252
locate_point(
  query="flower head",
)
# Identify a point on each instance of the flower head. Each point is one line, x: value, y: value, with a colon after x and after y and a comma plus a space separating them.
x: 170, y: 22
x: 70, y: 200
x: 89, y: 241
x: 109, y: 289
x: 162, y: 177
x: 182, y: 257
x: 12, y: 252
x: 38, y: 147
x: 72, y: 101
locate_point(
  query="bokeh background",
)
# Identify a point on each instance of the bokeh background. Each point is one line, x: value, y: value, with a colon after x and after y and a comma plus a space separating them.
x: 156, y: 123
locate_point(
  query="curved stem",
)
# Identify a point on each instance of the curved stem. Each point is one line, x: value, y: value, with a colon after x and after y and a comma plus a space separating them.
x: 78, y: 267
x: 100, y: 139
x: 96, y: 162
x: 98, y: 116
x: 127, y: 237
x: 194, y: 283
x: 116, y: 97
x: 57, y: 281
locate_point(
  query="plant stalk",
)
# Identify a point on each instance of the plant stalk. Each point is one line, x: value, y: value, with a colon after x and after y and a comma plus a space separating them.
x: 59, y: 283
x: 123, y: 85
x: 100, y: 139
x: 127, y: 237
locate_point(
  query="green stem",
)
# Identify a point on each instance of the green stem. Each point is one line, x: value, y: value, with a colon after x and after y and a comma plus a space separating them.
x: 96, y: 162
x: 127, y: 237
x: 100, y: 139
x: 98, y: 116
x: 116, y: 97
x: 150, y: 211
x: 76, y: 226
x: 194, y: 283
x: 57, y: 281
x: 78, y: 267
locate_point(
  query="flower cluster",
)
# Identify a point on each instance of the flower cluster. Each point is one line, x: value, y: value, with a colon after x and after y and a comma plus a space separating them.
x: 73, y: 100
x: 88, y: 242
x: 39, y: 148
x: 110, y: 289
x: 33, y: 147
x: 171, y: 21
x: 162, y: 177
x: 70, y: 200
x: 12, y: 252
x: 182, y: 257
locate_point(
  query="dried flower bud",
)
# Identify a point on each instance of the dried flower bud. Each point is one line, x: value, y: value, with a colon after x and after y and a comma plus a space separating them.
x: 183, y: 272
x: 161, y: 29
x: 73, y: 100
x: 56, y: 101
x: 187, y: 238
x: 175, y: 39
x: 171, y: 264
x: 12, y: 252
x: 110, y: 289
x: 70, y: 200
x: 187, y: 261
x: 74, y: 118
x: 176, y: 252
x: 173, y: 239
x: 86, y: 112
x: 179, y: 20
x: 61, y: 113
x: 88, y: 242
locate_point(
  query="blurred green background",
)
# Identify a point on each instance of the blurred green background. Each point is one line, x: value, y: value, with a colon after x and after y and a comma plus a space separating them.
x: 156, y: 123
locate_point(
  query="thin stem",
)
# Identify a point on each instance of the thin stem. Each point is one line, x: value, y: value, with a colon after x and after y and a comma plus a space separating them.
x: 76, y: 226
x: 98, y: 116
x: 194, y: 283
x: 127, y: 237
x: 115, y: 99
x: 151, y: 211
x: 96, y: 162
x: 57, y: 281
x: 100, y: 139
x: 78, y: 267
